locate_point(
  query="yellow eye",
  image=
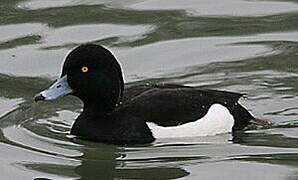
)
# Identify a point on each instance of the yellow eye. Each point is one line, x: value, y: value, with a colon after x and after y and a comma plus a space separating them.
x: 85, y: 69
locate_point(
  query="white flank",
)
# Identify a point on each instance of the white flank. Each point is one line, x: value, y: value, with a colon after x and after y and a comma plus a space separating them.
x: 218, y: 120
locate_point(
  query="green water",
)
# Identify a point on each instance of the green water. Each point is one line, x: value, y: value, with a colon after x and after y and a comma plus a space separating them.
x: 243, y: 46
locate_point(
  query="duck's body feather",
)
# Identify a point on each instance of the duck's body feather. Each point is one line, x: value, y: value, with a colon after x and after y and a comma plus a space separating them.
x: 168, y: 108
x: 217, y: 120
x: 172, y: 105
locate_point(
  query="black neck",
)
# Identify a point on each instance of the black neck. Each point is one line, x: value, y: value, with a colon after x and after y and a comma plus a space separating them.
x: 96, y: 109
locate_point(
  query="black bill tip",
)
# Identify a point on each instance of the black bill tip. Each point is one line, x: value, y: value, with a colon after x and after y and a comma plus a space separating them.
x: 39, y: 97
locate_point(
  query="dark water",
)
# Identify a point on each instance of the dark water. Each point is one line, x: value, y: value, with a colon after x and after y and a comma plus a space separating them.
x: 243, y: 46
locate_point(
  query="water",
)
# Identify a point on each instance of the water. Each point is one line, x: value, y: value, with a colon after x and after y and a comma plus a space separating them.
x: 244, y: 46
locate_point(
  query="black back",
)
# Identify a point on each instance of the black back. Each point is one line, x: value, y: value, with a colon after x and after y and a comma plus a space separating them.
x: 172, y: 105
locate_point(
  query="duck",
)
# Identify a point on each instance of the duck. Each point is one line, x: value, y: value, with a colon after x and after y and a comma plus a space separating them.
x: 116, y: 114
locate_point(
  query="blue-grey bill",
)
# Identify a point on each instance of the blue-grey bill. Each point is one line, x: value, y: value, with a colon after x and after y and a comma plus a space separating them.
x: 59, y: 89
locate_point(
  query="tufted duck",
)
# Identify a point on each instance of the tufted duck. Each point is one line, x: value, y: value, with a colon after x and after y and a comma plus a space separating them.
x: 139, y: 114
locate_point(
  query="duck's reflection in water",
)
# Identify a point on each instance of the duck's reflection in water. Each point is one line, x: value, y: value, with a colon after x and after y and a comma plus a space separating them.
x: 104, y: 164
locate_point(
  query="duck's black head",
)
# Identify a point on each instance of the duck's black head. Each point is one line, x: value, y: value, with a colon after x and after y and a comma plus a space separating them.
x: 92, y: 73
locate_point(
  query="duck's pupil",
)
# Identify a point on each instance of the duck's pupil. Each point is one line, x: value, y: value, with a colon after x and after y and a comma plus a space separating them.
x: 59, y: 86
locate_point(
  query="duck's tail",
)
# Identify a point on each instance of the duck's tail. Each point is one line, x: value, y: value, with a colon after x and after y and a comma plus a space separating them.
x: 261, y: 122
x: 243, y: 118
